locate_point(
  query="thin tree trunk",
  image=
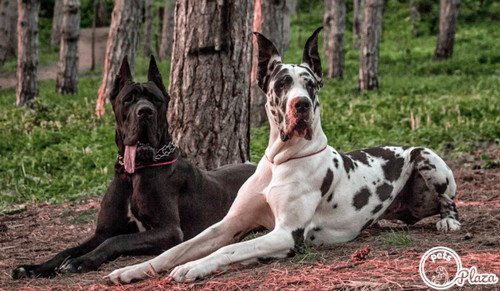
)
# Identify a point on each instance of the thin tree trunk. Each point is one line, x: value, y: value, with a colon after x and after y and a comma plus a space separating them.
x: 148, y: 27
x: 67, y: 75
x: 448, y: 16
x: 415, y: 18
x: 334, y: 24
x: 8, y: 28
x: 92, y: 45
x: 357, y: 22
x: 210, y: 81
x: 167, y: 32
x: 121, y: 42
x: 27, y: 47
x: 55, y: 36
x: 370, y: 40
x: 272, y: 19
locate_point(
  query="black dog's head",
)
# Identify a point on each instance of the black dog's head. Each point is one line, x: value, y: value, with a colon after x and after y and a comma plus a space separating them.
x: 292, y: 101
x: 141, y: 114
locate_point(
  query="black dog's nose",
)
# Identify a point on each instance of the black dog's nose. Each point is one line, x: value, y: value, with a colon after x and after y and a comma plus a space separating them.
x: 303, y: 104
x: 144, y: 112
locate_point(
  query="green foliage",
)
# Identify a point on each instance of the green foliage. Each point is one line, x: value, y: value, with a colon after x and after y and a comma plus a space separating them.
x: 60, y: 151
x: 400, y: 238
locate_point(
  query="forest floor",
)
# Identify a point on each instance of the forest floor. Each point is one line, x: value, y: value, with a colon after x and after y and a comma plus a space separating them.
x: 9, y: 80
x: 35, y: 232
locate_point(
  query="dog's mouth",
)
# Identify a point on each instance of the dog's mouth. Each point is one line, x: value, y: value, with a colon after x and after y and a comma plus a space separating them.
x: 297, y: 124
x: 137, y: 153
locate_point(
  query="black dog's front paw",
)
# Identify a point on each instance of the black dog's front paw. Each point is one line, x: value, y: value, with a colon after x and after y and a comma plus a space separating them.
x: 30, y: 271
x: 78, y: 265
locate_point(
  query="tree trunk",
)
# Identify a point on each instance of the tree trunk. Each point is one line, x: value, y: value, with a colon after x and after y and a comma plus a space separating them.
x: 210, y: 81
x: 370, y: 39
x: 67, y: 75
x: 123, y: 38
x: 272, y: 19
x: 334, y: 24
x: 55, y: 36
x: 27, y: 48
x: 8, y: 28
x: 167, y: 32
x: 414, y: 18
x: 357, y: 22
x: 448, y: 15
x: 148, y: 27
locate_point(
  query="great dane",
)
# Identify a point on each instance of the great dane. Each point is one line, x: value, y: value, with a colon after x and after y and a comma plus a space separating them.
x: 304, y: 190
x: 156, y: 199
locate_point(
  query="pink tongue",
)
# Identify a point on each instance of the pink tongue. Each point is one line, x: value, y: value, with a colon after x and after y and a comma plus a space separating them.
x: 129, y: 159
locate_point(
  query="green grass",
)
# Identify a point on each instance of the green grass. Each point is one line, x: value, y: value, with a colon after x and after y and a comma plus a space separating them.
x: 399, y: 238
x: 60, y: 151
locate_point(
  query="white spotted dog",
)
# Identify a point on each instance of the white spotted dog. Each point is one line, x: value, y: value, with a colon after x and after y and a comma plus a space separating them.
x: 304, y: 190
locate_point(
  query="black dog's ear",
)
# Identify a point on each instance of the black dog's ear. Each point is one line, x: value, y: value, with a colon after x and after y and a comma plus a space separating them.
x: 121, y: 79
x: 311, y: 55
x: 155, y: 77
x: 268, y: 59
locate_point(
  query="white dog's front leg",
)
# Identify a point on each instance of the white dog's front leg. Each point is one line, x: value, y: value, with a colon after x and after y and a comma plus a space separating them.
x: 293, y: 210
x: 278, y: 243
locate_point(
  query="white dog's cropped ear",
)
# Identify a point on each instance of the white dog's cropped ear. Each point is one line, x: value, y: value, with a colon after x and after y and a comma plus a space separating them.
x: 268, y: 59
x: 122, y: 78
x: 155, y: 76
x: 310, y: 55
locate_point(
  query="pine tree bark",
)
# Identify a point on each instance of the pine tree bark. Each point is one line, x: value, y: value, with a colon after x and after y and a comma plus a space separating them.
x: 148, y: 27
x: 210, y: 81
x: 167, y: 31
x: 370, y: 39
x: 123, y: 39
x: 272, y: 19
x: 57, y: 19
x: 448, y: 16
x: 8, y: 28
x: 357, y: 22
x: 67, y: 75
x: 334, y: 26
x: 27, y: 48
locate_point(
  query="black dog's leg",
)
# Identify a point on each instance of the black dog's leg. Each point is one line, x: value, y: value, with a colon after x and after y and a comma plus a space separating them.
x: 151, y: 242
x: 48, y: 269
x: 112, y: 221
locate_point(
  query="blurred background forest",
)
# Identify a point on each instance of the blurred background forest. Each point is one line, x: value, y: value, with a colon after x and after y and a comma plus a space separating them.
x: 57, y: 149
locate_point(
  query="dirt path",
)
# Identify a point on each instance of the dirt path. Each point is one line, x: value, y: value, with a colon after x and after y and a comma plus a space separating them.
x: 40, y: 231
x: 8, y: 80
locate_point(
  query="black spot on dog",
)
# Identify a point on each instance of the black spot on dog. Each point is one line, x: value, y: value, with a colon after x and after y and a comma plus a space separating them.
x: 335, y: 205
x: 441, y: 188
x: 367, y: 224
x: 361, y: 198
x: 377, y: 209
x: 348, y: 163
x: 298, y: 238
x: 359, y: 156
x: 312, y: 237
x: 336, y: 162
x: 384, y: 191
x: 327, y: 182
x: 385, y: 154
x: 416, y: 155
x: 392, y: 169
x: 447, y: 182
x: 374, y: 183
x: 317, y: 228
x: 329, y: 197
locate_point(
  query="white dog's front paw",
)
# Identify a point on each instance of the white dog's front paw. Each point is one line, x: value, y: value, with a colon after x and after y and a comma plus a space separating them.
x: 448, y: 224
x: 127, y: 274
x: 191, y: 271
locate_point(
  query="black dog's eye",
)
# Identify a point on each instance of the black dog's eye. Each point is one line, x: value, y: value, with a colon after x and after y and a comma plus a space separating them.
x: 127, y: 99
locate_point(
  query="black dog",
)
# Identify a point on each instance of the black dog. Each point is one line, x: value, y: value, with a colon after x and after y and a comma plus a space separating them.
x: 156, y: 199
